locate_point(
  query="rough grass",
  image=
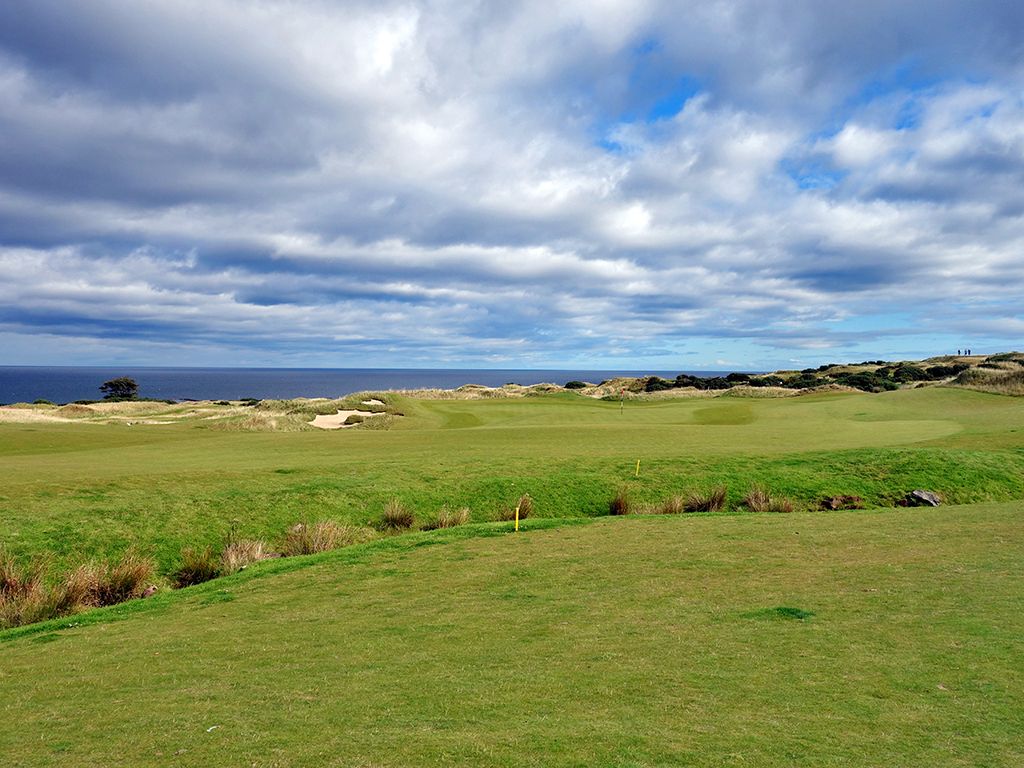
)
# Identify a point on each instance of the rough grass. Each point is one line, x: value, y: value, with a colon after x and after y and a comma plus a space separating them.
x: 397, y: 516
x: 524, y: 506
x: 241, y: 553
x: 29, y: 593
x: 620, y: 503
x: 448, y: 517
x: 712, y: 500
x: 322, y: 536
x: 198, y: 564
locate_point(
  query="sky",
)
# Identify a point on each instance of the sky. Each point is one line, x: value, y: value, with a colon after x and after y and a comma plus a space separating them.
x: 726, y: 184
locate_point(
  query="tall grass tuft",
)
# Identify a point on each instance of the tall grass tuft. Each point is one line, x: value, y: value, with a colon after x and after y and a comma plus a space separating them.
x: 23, y: 595
x: 711, y: 501
x: 673, y: 505
x: 447, y: 517
x: 239, y: 553
x: 197, y: 565
x: 620, y: 503
x: 27, y: 597
x: 525, y: 504
x: 303, y: 539
x: 758, y: 499
x: 397, y: 516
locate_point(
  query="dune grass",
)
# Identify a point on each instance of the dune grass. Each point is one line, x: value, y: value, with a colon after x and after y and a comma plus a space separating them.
x: 845, y: 638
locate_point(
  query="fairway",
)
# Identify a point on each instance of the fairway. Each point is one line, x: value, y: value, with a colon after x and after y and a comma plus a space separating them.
x: 853, y: 638
x: 82, y: 489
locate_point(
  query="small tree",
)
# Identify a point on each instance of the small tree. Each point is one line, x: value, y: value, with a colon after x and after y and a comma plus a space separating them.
x: 121, y: 388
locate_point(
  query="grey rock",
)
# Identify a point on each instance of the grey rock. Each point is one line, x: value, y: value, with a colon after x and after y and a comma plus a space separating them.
x: 919, y: 498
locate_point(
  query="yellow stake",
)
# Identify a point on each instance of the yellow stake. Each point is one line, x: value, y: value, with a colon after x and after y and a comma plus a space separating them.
x: 517, y: 517
x: 638, y: 467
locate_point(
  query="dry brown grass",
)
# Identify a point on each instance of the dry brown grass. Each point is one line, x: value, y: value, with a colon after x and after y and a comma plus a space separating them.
x: 240, y: 553
x: 995, y: 382
x: 26, y: 596
x: 525, y: 505
x: 673, y: 505
x: 709, y: 501
x: 758, y: 499
x: 325, y: 535
x: 397, y: 516
x: 448, y: 517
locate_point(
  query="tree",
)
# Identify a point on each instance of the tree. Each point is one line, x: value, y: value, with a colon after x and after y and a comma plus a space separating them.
x: 121, y: 388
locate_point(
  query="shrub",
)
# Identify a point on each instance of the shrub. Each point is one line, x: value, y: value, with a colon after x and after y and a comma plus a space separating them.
x: 197, y: 566
x: 448, y: 518
x: 354, y: 418
x: 712, y: 501
x: 673, y: 505
x: 620, y: 503
x: 397, y: 516
x: 42, y: 401
x: 657, y: 384
x: 575, y: 384
x: 325, y: 535
x: 240, y: 553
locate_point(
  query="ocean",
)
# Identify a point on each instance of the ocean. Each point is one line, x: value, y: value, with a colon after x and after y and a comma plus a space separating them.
x: 65, y: 384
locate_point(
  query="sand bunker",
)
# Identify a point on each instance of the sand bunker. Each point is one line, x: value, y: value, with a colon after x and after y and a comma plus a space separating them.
x: 337, y: 421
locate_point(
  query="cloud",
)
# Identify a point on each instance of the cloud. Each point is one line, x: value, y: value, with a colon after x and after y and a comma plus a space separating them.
x: 613, y: 183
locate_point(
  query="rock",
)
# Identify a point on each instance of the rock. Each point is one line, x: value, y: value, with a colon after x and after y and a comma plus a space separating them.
x: 919, y: 498
x: 149, y: 591
x: 842, y: 502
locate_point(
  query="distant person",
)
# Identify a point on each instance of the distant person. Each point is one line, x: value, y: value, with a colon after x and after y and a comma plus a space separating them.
x: 958, y: 353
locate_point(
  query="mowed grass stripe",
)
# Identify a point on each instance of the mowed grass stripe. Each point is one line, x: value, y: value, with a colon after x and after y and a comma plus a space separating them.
x: 638, y: 641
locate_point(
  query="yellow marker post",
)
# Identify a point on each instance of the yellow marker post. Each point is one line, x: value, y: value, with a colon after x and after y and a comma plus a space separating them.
x: 638, y: 468
x: 517, y: 517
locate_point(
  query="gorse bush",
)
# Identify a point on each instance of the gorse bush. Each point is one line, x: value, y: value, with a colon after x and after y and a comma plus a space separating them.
x: 710, y: 501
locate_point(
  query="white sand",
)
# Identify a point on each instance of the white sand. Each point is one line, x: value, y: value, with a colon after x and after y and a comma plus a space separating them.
x: 337, y: 421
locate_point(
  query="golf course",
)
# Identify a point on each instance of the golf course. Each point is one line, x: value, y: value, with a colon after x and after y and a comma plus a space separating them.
x: 875, y: 635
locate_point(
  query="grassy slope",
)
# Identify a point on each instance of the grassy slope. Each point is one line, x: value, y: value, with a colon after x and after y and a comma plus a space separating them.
x: 84, y: 489
x: 625, y: 642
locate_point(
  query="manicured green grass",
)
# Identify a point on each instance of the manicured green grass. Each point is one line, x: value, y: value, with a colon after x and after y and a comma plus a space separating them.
x: 78, y: 490
x: 860, y: 638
